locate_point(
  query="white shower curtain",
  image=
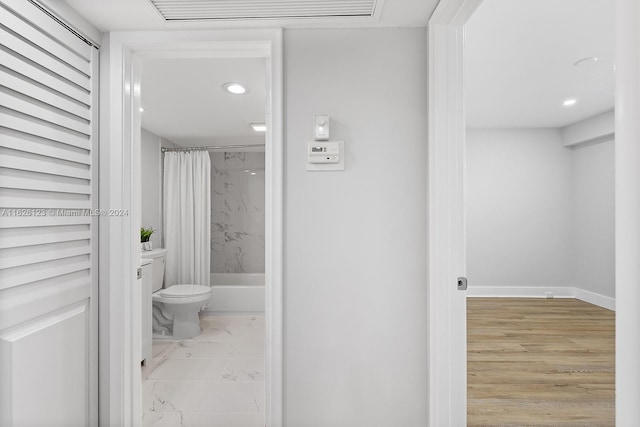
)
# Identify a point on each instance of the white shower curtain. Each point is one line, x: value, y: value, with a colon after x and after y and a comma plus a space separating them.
x: 187, y: 217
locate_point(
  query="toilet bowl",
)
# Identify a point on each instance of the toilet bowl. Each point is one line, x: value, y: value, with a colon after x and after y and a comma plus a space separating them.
x: 176, y: 310
x: 175, y: 307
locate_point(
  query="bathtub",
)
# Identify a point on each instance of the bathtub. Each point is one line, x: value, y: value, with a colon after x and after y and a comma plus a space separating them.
x: 237, y: 293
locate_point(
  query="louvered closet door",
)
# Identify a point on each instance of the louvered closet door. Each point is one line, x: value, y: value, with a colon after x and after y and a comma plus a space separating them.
x: 48, y: 141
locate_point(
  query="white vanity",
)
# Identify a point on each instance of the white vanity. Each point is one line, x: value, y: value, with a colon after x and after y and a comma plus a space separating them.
x: 145, y: 310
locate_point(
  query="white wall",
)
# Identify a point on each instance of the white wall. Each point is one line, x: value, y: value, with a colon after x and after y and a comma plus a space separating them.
x: 356, y: 241
x: 593, y: 218
x: 151, y: 183
x: 540, y: 214
x: 519, y: 223
x: 599, y: 128
x: 151, y: 179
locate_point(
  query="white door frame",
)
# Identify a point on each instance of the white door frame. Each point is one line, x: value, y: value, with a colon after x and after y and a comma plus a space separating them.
x: 447, y: 304
x: 120, y: 176
x: 447, y: 328
x: 627, y: 193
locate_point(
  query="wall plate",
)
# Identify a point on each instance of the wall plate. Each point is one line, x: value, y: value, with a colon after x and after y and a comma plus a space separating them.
x: 339, y: 166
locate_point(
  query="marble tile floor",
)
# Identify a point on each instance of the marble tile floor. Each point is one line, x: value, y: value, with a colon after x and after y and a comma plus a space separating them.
x: 213, y: 380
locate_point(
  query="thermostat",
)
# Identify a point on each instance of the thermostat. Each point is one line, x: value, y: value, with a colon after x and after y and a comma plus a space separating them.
x: 325, y: 155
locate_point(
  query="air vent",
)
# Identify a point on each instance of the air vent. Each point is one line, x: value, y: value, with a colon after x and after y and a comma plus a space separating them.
x: 198, y: 10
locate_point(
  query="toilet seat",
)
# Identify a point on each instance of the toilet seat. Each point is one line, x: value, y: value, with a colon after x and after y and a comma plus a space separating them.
x: 182, y: 294
x: 184, y: 291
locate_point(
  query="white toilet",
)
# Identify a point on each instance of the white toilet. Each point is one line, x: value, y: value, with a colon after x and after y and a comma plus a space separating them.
x: 175, y: 308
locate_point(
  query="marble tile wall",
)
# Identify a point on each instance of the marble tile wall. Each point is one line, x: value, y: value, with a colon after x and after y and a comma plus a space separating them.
x: 237, y: 212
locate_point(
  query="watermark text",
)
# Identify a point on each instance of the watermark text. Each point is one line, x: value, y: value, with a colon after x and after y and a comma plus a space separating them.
x: 39, y: 212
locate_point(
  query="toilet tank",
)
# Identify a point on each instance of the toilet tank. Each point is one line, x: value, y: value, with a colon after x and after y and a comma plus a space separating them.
x: 157, y: 276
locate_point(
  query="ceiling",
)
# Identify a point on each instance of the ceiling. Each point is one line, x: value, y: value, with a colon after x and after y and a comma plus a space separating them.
x: 113, y: 15
x: 184, y: 101
x: 519, y: 62
x: 519, y: 57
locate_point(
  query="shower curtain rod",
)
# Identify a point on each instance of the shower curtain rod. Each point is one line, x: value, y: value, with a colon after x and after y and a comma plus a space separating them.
x: 212, y: 147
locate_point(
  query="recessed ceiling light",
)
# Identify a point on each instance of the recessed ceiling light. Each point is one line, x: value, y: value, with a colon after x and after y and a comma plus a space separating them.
x: 258, y: 127
x: 586, y: 61
x: 141, y: 110
x: 234, y: 88
x: 569, y: 102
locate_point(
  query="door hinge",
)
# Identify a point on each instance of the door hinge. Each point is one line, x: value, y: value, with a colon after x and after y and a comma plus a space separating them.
x: 462, y: 283
x: 140, y: 273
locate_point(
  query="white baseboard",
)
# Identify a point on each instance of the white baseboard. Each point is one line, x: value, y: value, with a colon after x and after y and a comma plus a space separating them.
x: 596, y: 299
x: 542, y: 292
x: 521, y: 292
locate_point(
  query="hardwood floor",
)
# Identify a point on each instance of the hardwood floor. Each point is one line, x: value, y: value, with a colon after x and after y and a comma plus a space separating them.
x: 540, y: 362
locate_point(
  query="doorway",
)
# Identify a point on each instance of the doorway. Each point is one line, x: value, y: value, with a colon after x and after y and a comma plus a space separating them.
x: 211, y: 111
x: 127, y: 51
x: 447, y: 200
x: 539, y: 158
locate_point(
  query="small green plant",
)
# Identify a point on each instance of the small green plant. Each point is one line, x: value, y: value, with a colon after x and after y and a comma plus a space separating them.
x: 145, y: 234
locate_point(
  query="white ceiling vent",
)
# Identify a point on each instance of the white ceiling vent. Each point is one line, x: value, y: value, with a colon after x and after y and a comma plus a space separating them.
x: 198, y: 10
